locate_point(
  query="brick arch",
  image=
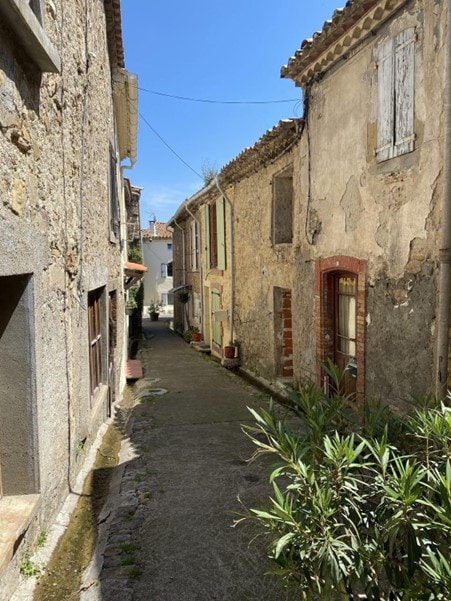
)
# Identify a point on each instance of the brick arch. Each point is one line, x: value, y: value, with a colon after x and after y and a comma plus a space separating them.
x: 324, y: 270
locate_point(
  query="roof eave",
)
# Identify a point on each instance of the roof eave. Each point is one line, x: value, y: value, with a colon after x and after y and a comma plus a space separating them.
x: 347, y: 28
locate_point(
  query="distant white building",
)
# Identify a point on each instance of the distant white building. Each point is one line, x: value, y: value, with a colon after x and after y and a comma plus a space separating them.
x: 157, y: 251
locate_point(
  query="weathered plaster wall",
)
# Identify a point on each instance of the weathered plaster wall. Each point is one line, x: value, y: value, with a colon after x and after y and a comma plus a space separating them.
x: 387, y: 213
x: 55, y: 131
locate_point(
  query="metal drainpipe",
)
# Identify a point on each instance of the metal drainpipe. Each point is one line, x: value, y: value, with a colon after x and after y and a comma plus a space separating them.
x: 445, y: 247
x: 183, y: 256
x: 198, y: 259
x: 232, y: 262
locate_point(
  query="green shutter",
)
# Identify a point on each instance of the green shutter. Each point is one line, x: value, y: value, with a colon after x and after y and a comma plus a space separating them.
x: 220, y: 220
x: 207, y: 235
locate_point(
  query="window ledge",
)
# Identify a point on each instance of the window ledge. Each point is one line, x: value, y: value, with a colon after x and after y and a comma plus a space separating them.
x: 27, y: 28
x: 16, y: 514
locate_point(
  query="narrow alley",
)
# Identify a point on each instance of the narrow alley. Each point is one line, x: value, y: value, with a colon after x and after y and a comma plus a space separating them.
x: 170, y: 536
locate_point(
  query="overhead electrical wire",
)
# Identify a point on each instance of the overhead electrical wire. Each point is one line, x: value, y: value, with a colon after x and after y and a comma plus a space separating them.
x: 168, y: 146
x: 205, y: 100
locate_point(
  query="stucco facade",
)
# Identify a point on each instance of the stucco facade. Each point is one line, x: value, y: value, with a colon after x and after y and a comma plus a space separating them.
x: 65, y: 128
x: 157, y: 252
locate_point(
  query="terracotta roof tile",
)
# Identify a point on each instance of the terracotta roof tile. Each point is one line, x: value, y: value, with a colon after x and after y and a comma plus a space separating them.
x: 158, y: 231
x: 334, y: 39
x: 272, y: 144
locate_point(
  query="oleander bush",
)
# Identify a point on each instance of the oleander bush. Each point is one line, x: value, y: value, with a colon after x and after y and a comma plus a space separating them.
x: 358, y: 510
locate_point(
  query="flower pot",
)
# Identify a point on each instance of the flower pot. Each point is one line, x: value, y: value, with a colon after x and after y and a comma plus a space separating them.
x: 229, y: 352
x: 154, y: 316
x: 196, y: 337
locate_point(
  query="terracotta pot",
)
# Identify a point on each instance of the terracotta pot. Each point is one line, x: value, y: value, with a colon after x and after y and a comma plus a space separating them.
x: 229, y: 352
x: 196, y: 337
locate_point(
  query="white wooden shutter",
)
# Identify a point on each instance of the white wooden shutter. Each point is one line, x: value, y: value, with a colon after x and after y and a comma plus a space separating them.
x: 385, y: 102
x: 404, y: 91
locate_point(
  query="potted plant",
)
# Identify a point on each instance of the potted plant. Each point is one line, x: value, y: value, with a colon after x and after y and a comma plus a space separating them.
x: 196, y: 334
x: 184, y: 297
x: 154, y: 311
x: 231, y: 349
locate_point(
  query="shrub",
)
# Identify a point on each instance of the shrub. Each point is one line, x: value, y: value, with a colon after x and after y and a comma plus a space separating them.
x: 352, y: 512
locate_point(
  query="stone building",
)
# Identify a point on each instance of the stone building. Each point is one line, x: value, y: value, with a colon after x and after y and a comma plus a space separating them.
x: 67, y: 119
x: 157, y: 251
x: 371, y: 195
x: 225, y: 258
x: 333, y: 244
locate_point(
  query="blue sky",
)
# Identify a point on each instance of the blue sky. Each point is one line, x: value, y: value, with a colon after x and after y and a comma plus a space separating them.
x: 226, y: 51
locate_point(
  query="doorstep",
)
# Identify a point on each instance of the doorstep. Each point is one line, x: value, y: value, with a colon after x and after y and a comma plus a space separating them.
x: 201, y: 347
x: 16, y: 514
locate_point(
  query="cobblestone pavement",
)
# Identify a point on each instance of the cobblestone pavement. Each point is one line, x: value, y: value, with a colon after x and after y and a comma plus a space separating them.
x: 168, y: 536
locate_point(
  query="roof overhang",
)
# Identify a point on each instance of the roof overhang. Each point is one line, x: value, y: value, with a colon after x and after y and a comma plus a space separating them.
x: 133, y: 273
x: 347, y: 28
x: 125, y: 94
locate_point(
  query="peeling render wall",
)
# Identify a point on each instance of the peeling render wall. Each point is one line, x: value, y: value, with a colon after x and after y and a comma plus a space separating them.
x: 346, y: 204
x: 55, y: 131
x: 386, y: 213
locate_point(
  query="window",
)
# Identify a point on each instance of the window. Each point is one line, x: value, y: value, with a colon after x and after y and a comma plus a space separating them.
x: 114, y: 198
x: 95, y: 340
x: 169, y: 246
x: 164, y: 299
x: 194, y: 246
x: 282, y: 218
x: 36, y: 7
x: 25, y: 20
x: 215, y: 225
x: 340, y: 311
x: 19, y: 461
x: 170, y: 269
x: 395, y: 111
x: 163, y: 270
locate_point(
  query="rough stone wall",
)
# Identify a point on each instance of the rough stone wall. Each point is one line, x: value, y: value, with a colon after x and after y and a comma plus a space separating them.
x: 55, y: 131
x: 261, y: 266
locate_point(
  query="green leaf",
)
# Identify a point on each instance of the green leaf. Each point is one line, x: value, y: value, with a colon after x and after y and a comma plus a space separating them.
x: 282, y: 543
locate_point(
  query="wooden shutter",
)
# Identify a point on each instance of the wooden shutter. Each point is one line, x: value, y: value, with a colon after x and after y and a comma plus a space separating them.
x: 207, y: 235
x: 404, y: 91
x: 220, y: 220
x: 385, y: 102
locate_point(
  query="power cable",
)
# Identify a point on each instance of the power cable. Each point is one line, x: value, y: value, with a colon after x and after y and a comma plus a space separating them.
x: 168, y: 146
x: 205, y: 100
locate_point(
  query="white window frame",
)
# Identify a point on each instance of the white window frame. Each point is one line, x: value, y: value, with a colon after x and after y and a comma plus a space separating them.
x: 395, y: 100
x: 26, y: 23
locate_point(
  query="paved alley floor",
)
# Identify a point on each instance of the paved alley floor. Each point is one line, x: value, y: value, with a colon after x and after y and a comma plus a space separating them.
x: 170, y: 535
